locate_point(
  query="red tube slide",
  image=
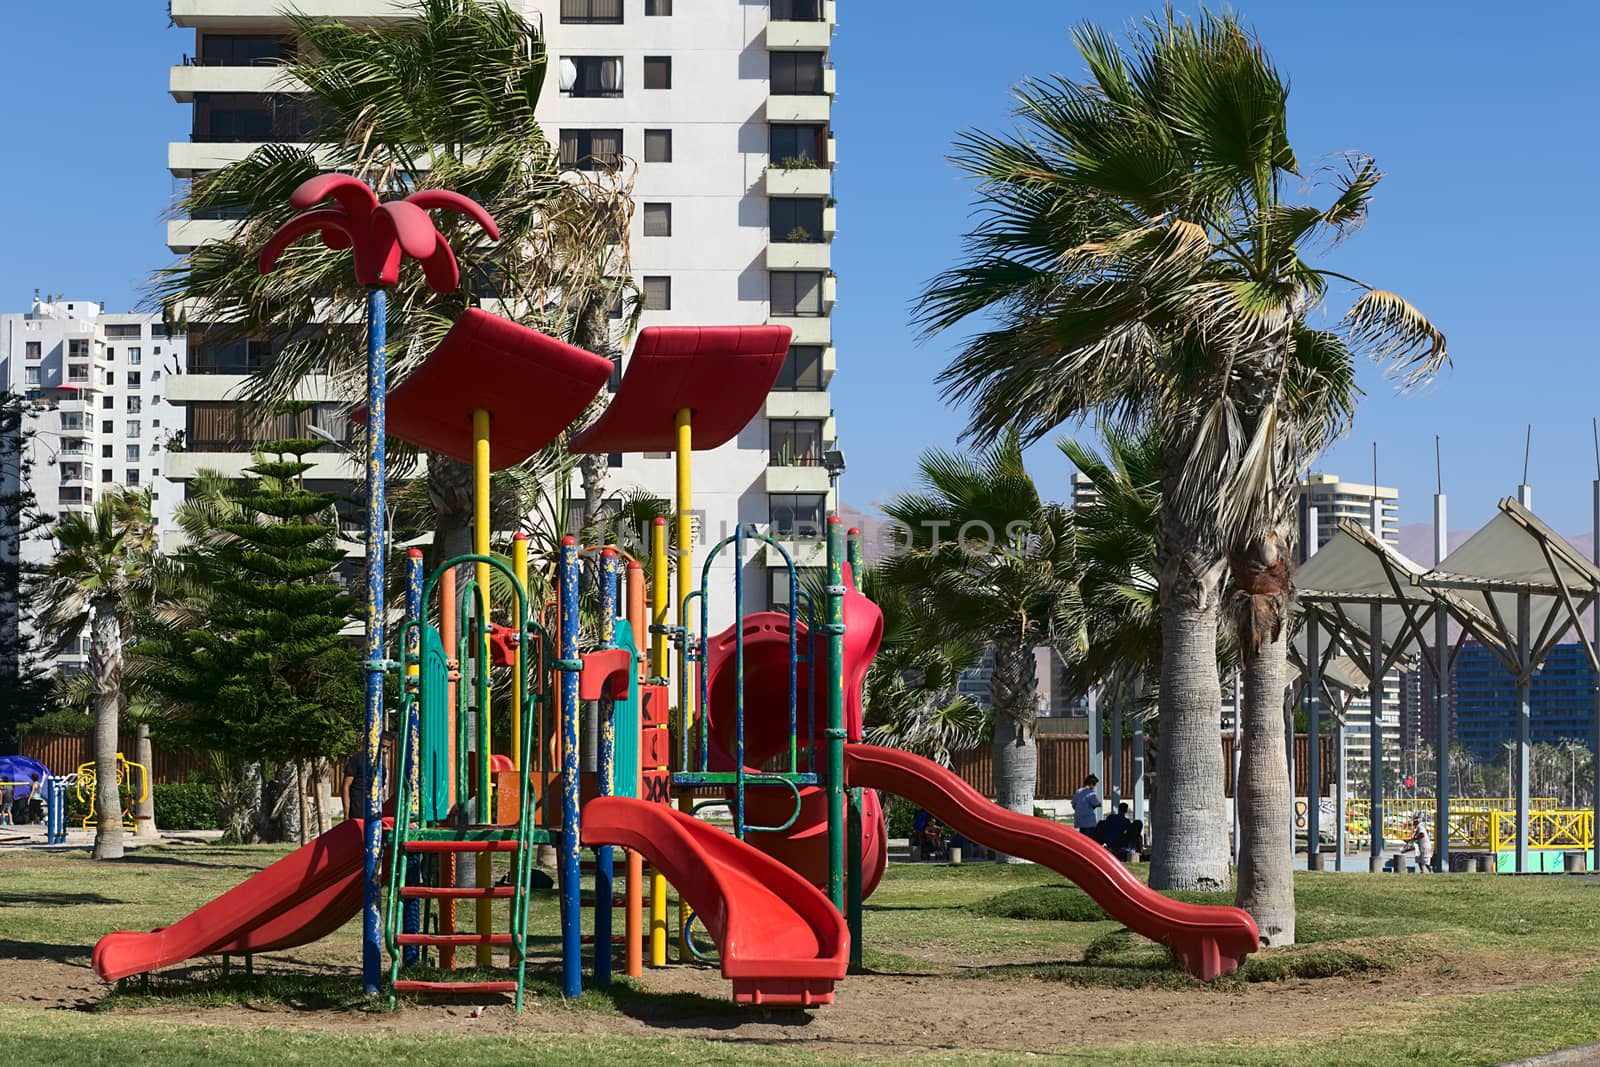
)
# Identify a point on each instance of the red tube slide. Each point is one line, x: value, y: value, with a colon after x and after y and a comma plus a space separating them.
x: 780, y: 940
x: 1211, y: 941
x: 301, y: 898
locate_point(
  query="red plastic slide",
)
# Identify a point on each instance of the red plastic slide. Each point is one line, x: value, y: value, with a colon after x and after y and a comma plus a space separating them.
x: 1211, y: 941
x: 303, y: 897
x: 781, y: 942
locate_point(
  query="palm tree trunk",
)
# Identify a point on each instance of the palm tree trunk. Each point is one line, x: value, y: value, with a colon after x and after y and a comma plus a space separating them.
x: 105, y: 660
x: 450, y: 491
x: 145, y: 825
x: 1189, y: 816
x: 1266, y: 851
x: 1012, y: 688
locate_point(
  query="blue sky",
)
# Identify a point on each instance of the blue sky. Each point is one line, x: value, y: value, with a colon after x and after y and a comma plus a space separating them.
x: 1483, y: 119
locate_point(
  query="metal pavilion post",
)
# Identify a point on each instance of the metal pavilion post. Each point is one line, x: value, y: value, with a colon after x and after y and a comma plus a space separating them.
x: 1524, y: 720
x: 1341, y: 788
x: 1138, y: 770
x: 571, y: 909
x: 480, y: 547
x: 1114, y: 792
x: 1313, y: 700
x: 1375, y: 743
x: 372, y: 829
x: 660, y: 601
x: 1097, y: 733
x: 1442, y: 666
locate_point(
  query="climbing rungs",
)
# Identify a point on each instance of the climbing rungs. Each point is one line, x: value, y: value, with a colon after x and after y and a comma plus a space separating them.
x: 449, y: 892
x: 460, y: 846
x: 503, y: 940
x: 407, y: 985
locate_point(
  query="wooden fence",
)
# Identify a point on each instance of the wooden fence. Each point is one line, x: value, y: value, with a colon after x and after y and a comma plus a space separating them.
x: 1064, y: 763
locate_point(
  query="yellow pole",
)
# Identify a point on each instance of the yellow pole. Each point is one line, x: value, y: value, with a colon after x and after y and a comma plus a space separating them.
x: 685, y: 531
x: 480, y: 546
x: 660, y: 598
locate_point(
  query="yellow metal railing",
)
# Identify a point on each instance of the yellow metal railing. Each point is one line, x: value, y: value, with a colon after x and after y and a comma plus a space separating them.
x: 1481, y: 822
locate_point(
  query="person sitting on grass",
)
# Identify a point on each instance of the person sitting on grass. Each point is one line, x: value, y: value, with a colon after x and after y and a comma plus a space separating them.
x: 928, y: 833
x: 1115, y: 832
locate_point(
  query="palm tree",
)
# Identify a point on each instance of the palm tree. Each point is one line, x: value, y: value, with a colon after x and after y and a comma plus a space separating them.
x: 994, y: 562
x: 445, y: 100
x: 103, y: 566
x: 1127, y: 253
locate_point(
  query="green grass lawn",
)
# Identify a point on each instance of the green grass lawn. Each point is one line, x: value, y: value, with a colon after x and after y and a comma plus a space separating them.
x: 1464, y: 969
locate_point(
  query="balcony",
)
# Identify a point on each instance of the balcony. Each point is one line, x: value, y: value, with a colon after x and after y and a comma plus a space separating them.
x: 802, y: 34
x: 808, y: 404
x: 799, y: 181
x: 793, y: 107
x: 186, y: 158
x: 795, y: 479
x: 830, y: 222
x: 186, y: 234
x: 806, y: 255
x: 807, y: 329
x: 185, y: 81
x: 258, y: 16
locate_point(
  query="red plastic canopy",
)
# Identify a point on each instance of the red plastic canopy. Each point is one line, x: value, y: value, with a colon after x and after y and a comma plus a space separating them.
x: 722, y: 374
x: 531, y: 384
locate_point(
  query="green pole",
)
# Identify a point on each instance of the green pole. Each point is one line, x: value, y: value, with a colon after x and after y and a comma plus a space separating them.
x: 854, y: 555
x: 835, y: 731
x: 853, y: 823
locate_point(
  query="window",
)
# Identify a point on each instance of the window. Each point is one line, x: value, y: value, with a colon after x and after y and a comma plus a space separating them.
x: 797, y: 10
x: 778, y: 584
x: 795, y: 442
x: 658, y: 72
x: 106, y: 452
x: 591, y: 149
x: 657, y: 292
x: 134, y: 428
x: 72, y: 420
x: 111, y: 377
x: 134, y: 379
x: 658, y: 146
x: 592, y: 11
x: 156, y: 350
x: 134, y: 357
x: 798, y: 515
x: 658, y: 220
x: 243, y: 117
x: 31, y: 376
x: 111, y: 353
x: 135, y: 405
x: 132, y: 477
x: 78, y: 348
x: 796, y: 73
x: 34, y: 350
x: 105, y: 475
x: 591, y: 75
x: 218, y: 352
x: 117, y: 331
x: 658, y: 7
x: 77, y: 372
x: 797, y: 292
x: 798, y: 145
x: 107, y: 426
x: 795, y: 220
x: 133, y: 453
x: 158, y: 329
x: 243, y: 50
x: 107, y: 403
x: 802, y: 370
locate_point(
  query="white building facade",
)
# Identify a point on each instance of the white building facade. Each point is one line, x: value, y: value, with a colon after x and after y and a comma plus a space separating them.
x: 97, y: 417
x: 724, y: 110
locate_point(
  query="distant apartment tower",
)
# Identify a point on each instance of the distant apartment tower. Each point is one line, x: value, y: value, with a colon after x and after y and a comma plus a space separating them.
x: 1485, y: 694
x: 1336, y: 500
x: 724, y: 108
x: 96, y: 418
x: 1084, y: 493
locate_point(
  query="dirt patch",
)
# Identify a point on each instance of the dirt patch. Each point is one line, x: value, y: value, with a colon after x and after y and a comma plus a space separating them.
x: 878, y: 1015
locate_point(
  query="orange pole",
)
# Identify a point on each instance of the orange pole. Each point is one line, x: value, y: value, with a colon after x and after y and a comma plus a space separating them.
x: 447, y: 865
x: 634, y: 925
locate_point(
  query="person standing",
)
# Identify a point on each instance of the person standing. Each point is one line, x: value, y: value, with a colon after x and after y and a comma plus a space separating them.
x: 1086, y: 807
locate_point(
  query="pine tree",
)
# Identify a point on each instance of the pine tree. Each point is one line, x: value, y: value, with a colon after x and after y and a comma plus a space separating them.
x: 24, y: 685
x: 251, y: 661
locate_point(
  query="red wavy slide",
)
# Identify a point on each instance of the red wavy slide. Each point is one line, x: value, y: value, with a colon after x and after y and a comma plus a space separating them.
x: 1209, y: 940
x: 781, y: 942
x: 301, y: 898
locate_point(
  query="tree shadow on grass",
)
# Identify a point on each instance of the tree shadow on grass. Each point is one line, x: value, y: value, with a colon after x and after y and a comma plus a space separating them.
x: 135, y: 859
x: 51, y: 900
x: 42, y: 950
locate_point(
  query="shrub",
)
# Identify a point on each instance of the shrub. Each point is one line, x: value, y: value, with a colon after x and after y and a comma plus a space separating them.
x: 185, y: 806
x: 902, y: 814
x: 62, y: 722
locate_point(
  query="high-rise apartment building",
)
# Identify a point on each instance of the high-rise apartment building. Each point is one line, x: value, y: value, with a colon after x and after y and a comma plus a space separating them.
x: 1336, y: 500
x: 723, y: 107
x: 96, y: 418
x: 1484, y: 699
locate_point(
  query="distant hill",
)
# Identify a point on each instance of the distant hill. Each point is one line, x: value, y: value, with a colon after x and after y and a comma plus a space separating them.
x: 1416, y: 542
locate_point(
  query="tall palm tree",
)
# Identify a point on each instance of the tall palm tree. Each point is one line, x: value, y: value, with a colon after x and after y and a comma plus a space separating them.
x: 994, y: 561
x: 443, y: 100
x: 103, y: 567
x: 1123, y: 256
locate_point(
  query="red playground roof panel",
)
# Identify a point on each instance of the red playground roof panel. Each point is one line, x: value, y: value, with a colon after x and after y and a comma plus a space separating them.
x: 531, y: 384
x: 722, y: 374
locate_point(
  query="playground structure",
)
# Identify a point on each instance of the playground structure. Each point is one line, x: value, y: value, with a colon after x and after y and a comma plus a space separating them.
x: 132, y: 778
x: 769, y: 716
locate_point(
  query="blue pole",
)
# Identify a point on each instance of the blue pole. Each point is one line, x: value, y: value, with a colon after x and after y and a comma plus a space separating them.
x: 372, y: 830
x: 571, y: 911
x: 412, y: 682
x: 605, y: 768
